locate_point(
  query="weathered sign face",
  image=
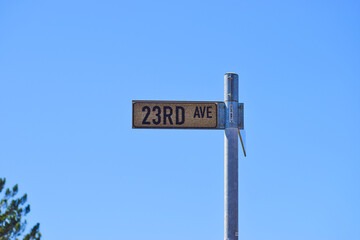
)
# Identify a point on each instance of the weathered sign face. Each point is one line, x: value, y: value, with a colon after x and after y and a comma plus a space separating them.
x: 175, y: 114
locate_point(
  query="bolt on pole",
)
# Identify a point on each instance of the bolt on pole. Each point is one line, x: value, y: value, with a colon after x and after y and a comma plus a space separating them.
x: 231, y: 98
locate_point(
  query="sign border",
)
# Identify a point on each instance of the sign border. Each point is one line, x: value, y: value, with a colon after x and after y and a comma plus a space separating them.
x: 177, y: 102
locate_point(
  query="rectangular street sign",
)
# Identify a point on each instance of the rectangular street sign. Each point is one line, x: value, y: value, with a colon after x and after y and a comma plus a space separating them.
x: 175, y: 114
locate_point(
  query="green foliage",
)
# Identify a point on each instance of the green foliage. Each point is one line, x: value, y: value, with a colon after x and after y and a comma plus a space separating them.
x: 12, y: 212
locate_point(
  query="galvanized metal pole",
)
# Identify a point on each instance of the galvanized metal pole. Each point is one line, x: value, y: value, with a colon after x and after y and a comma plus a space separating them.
x: 231, y: 85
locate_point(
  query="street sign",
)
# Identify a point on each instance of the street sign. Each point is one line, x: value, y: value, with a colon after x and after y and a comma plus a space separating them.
x: 175, y: 114
x: 227, y: 115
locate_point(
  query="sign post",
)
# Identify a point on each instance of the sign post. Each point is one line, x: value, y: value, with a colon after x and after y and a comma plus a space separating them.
x: 231, y: 85
x: 227, y: 115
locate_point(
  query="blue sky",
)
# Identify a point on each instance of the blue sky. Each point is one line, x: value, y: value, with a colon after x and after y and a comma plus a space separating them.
x: 70, y: 69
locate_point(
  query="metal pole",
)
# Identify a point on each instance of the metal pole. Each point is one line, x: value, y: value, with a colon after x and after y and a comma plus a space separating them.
x: 231, y: 86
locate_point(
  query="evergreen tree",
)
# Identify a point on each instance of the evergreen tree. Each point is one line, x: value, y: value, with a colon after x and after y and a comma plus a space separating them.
x: 12, y: 214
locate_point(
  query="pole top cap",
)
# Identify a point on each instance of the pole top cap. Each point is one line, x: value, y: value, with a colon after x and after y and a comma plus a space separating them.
x: 230, y: 73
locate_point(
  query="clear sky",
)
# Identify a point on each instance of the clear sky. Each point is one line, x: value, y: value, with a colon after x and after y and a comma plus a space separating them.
x: 69, y: 71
